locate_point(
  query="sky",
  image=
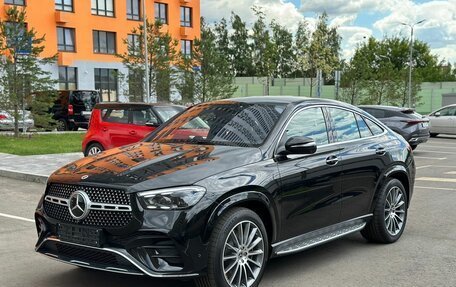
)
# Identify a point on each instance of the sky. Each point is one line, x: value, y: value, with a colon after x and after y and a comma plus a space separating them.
x: 356, y: 20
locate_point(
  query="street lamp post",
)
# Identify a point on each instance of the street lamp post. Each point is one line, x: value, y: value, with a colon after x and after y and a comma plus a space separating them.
x: 411, y: 60
x: 146, y: 54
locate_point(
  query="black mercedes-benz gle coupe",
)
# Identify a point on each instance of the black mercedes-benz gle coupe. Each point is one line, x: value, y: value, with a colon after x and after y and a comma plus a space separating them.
x: 225, y: 186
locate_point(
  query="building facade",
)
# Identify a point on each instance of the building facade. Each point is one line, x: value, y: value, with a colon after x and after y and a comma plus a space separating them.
x: 87, y: 34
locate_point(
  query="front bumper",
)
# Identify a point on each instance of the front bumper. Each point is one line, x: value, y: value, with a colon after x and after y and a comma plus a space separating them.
x: 112, y: 259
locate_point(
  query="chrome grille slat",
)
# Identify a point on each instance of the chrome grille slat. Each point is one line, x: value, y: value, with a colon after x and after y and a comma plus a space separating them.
x: 110, y: 208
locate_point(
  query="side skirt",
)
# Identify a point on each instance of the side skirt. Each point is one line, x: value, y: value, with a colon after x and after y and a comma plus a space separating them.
x: 320, y: 236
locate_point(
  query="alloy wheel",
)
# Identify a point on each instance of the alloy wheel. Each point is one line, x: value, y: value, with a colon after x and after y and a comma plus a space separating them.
x: 94, y: 150
x: 243, y: 255
x: 395, y: 209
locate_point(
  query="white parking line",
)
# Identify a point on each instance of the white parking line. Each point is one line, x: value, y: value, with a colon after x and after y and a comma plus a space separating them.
x: 16, y: 217
x: 442, y: 152
x: 437, y: 158
x: 424, y: 166
x: 436, y: 188
x: 439, y: 147
x: 451, y: 172
x: 436, y: 179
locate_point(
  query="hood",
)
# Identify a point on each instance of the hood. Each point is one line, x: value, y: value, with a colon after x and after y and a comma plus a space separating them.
x: 153, y: 165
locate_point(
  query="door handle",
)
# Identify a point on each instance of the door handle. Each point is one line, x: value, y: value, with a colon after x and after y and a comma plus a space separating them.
x: 132, y: 133
x: 380, y: 151
x: 332, y: 160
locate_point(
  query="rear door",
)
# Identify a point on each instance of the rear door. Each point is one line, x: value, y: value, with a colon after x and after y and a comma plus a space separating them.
x: 361, y: 159
x: 445, y: 123
x: 310, y: 183
x: 115, y: 126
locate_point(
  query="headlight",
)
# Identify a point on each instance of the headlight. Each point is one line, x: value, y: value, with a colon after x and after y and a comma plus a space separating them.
x: 172, y: 198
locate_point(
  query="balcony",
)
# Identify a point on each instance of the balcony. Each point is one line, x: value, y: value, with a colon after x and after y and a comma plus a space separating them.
x: 62, y: 17
x: 185, y: 31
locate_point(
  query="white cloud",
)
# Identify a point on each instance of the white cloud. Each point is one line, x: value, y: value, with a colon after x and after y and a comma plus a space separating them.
x: 342, y: 7
x: 286, y: 14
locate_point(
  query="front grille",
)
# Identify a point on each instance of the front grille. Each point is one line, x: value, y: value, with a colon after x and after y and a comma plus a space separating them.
x: 96, y: 218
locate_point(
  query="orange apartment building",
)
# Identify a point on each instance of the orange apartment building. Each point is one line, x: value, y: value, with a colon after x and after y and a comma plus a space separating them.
x: 86, y: 35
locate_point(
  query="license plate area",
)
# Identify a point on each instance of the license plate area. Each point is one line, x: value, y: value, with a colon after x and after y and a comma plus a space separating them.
x: 80, y: 235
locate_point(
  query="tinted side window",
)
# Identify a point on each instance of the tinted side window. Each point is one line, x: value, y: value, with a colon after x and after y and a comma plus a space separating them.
x: 363, y: 128
x: 448, y: 112
x: 376, y: 129
x: 115, y: 116
x: 309, y: 123
x: 345, y: 126
x: 143, y: 116
x: 376, y: 113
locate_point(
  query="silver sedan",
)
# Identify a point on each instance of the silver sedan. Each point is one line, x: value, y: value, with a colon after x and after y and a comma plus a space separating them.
x: 443, y: 121
x: 7, y: 121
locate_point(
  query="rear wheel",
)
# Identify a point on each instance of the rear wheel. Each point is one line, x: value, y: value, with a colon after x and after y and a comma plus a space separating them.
x: 93, y: 149
x: 433, y: 135
x: 390, y: 214
x: 62, y: 125
x: 238, y: 251
x: 414, y: 147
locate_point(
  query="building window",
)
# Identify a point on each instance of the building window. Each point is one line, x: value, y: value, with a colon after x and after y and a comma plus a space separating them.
x: 64, y: 5
x: 103, y: 8
x: 15, y: 2
x: 65, y: 38
x: 104, y: 42
x: 161, y: 12
x: 68, y: 78
x: 186, y: 48
x: 133, y: 10
x: 186, y: 16
x: 106, y: 83
x: 134, y: 44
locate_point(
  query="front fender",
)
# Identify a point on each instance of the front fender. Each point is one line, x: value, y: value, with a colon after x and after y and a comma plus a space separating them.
x: 243, y: 199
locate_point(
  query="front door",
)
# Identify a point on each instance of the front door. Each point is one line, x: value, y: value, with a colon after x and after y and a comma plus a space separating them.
x: 309, y: 197
x: 445, y: 123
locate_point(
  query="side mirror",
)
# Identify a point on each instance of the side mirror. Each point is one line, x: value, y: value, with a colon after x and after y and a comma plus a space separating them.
x: 152, y: 124
x: 437, y: 114
x: 300, y: 145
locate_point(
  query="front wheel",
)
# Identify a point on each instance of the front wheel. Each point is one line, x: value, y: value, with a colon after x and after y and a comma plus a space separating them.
x: 93, y: 149
x: 390, y: 214
x: 238, y: 251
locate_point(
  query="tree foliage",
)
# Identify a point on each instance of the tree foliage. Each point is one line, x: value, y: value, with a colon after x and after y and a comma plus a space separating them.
x: 22, y: 69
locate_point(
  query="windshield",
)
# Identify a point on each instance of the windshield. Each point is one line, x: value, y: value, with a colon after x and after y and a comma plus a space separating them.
x: 222, y: 123
x: 167, y: 112
x: 88, y: 99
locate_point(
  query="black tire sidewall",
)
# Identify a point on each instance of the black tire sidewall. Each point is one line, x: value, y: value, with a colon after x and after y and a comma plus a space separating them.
x: 227, y: 224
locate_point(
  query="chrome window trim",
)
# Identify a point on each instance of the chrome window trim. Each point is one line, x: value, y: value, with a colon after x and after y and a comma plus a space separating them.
x: 91, y: 205
x: 322, y: 106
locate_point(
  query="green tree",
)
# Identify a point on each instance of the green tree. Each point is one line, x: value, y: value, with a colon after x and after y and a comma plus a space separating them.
x: 264, y: 50
x: 223, y: 39
x: 162, y: 55
x: 22, y: 70
x: 284, y: 51
x: 207, y: 75
x: 301, y: 47
x: 240, y: 50
x: 324, y: 49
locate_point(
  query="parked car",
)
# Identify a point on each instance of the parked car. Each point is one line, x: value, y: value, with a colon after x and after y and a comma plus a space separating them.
x: 263, y: 177
x: 443, y: 121
x: 72, y: 109
x: 412, y: 126
x: 7, y: 121
x: 117, y: 124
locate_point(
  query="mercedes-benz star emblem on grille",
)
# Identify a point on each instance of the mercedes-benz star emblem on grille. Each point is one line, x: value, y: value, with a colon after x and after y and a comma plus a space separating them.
x: 84, y: 177
x: 78, y: 205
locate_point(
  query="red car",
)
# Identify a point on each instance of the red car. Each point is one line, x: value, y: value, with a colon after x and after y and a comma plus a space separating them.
x: 118, y: 124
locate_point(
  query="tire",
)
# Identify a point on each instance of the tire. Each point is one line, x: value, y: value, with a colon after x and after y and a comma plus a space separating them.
x: 433, y: 135
x: 389, y: 220
x: 93, y: 149
x: 414, y: 147
x: 220, y: 269
x: 62, y: 125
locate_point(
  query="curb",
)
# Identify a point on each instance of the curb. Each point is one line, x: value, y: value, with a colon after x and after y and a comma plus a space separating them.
x: 30, y: 177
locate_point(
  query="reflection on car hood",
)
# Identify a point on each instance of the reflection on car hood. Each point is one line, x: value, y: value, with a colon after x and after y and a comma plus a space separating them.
x: 153, y: 165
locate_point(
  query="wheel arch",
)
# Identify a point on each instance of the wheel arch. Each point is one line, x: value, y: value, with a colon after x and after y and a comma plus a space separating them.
x: 252, y: 199
x: 91, y: 142
x: 400, y: 173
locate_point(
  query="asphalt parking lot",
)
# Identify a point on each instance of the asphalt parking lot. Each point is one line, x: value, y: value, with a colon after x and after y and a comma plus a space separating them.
x: 425, y: 255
